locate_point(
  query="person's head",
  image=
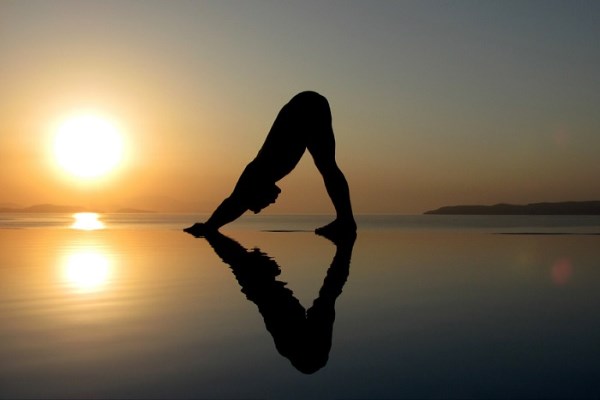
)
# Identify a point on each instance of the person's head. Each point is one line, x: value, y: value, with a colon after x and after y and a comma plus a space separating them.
x: 263, y: 197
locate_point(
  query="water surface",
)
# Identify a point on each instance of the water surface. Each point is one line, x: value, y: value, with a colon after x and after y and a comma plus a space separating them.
x: 426, y: 307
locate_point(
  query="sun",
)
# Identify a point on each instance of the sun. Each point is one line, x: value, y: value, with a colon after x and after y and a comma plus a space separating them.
x: 88, y: 146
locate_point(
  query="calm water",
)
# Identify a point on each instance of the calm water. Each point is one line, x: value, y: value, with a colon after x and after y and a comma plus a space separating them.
x: 129, y: 306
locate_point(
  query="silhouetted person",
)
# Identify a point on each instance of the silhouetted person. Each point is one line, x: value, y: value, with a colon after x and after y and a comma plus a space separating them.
x: 302, y: 336
x: 303, y: 123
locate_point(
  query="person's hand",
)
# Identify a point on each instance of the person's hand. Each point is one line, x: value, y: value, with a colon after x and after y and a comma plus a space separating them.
x: 199, y: 229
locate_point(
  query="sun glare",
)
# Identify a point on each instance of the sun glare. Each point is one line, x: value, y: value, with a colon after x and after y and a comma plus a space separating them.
x: 88, y: 146
x: 87, y: 270
x: 87, y: 221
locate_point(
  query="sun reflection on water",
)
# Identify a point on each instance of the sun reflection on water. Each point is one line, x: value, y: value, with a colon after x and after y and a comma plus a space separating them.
x: 87, y: 270
x: 87, y: 221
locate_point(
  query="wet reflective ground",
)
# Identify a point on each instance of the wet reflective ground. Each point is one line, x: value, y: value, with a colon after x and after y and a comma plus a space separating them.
x: 427, y: 313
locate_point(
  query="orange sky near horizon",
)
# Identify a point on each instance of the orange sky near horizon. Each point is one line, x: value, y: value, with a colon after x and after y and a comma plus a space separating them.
x: 433, y: 103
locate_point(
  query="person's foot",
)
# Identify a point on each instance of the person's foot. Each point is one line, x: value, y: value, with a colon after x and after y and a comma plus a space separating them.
x: 200, y: 229
x: 338, y: 229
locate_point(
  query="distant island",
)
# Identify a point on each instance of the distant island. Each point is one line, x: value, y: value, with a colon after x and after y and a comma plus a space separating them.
x: 131, y: 211
x: 44, y: 208
x: 53, y: 208
x: 560, y: 208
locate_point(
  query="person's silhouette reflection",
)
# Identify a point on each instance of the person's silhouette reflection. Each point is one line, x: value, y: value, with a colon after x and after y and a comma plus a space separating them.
x: 302, y: 336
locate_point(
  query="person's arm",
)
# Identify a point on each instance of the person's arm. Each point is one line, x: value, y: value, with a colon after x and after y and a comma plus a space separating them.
x: 252, y: 192
x: 229, y: 210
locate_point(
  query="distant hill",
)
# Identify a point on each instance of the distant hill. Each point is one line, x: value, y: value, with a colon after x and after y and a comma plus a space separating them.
x: 53, y: 208
x: 560, y: 208
x: 166, y: 204
x: 44, y: 208
x: 140, y: 204
x: 132, y: 211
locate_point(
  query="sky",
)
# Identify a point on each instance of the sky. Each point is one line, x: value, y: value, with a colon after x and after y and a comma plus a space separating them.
x: 434, y: 102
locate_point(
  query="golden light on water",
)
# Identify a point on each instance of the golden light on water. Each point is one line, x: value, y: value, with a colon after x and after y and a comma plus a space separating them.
x: 87, y: 270
x: 87, y: 221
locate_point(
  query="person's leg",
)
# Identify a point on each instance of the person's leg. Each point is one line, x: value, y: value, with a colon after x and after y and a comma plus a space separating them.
x: 286, y: 142
x: 321, y: 145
